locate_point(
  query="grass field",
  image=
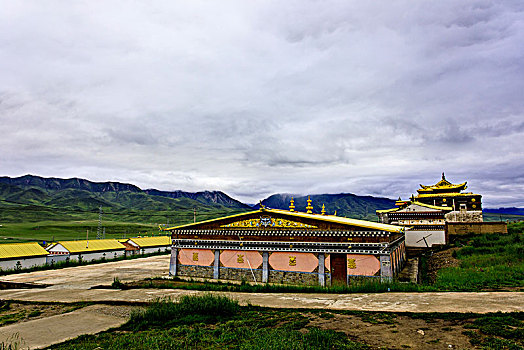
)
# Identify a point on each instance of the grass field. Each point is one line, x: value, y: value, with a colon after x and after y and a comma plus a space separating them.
x: 486, y: 261
x: 502, y: 217
x: 216, y: 322
x: 70, y: 230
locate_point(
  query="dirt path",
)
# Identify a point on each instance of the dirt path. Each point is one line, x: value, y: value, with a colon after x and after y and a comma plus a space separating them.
x: 72, y: 285
x: 56, y: 329
x: 394, y: 302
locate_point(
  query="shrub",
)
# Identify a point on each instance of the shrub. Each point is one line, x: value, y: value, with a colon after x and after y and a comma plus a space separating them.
x: 187, y: 309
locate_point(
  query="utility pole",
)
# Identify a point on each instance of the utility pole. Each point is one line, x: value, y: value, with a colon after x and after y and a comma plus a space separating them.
x: 98, y: 231
x: 104, y: 234
x: 194, y: 214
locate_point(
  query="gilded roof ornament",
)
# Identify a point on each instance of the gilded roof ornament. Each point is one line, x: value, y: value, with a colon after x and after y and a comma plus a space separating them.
x: 292, y: 205
x: 309, y: 208
x: 323, y: 209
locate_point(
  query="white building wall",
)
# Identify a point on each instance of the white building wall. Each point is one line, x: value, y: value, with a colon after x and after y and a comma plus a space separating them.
x: 150, y: 250
x: 90, y: 256
x: 25, y: 262
x: 415, y: 238
x: 54, y: 258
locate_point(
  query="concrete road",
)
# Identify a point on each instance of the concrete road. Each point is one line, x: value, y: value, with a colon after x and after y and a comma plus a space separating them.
x: 72, y: 284
x: 59, y: 328
x: 85, y: 277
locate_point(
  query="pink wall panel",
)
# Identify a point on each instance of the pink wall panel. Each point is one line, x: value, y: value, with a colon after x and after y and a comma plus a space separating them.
x: 362, y: 265
x: 327, y: 262
x: 300, y: 262
x: 241, y: 259
x: 200, y: 257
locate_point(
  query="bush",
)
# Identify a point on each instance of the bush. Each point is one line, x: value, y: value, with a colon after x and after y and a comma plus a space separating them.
x: 187, y: 309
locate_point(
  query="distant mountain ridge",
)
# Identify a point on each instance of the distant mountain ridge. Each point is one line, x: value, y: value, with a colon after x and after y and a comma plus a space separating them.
x: 202, y: 196
x: 345, y: 204
x: 35, y: 188
x: 53, y: 183
x: 505, y: 211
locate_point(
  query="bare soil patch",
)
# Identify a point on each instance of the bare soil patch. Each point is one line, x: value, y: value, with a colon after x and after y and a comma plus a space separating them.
x: 439, y: 261
x: 390, y: 331
x: 13, y: 312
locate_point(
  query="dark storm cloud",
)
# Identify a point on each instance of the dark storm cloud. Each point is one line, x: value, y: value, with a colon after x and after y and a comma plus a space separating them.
x: 263, y: 97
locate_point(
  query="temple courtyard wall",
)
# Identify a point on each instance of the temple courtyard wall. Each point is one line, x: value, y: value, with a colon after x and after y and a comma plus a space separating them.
x: 280, y: 267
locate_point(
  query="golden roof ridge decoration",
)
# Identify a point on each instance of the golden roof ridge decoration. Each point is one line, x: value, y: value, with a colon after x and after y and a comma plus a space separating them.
x: 267, y: 222
x: 443, y: 184
x: 309, y: 208
x: 292, y: 205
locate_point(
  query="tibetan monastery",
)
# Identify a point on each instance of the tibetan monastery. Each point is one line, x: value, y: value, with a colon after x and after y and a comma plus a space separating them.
x: 286, y: 246
x: 426, y: 214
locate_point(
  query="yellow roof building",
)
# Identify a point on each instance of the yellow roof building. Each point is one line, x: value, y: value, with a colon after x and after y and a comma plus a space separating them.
x: 18, y: 250
x: 90, y: 246
x: 146, y: 242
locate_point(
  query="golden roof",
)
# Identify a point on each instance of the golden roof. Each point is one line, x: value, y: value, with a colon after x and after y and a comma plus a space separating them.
x: 414, y: 202
x: 328, y: 218
x: 145, y: 242
x: 443, y: 184
x: 452, y: 194
x: 91, y: 245
x: 18, y: 250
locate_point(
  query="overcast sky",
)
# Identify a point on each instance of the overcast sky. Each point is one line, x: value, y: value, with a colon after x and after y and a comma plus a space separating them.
x: 260, y: 97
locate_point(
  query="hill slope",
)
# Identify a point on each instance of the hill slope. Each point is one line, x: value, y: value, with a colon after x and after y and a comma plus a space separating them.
x: 345, y: 204
x: 35, y: 199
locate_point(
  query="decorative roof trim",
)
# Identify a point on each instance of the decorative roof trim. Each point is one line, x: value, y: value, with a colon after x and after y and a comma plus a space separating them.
x: 328, y: 218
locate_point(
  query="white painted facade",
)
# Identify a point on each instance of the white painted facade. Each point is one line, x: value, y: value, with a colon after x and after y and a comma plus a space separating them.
x: 22, y: 262
x: 418, y: 239
x: 59, y: 249
x: 108, y: 255
x: 148, y: 250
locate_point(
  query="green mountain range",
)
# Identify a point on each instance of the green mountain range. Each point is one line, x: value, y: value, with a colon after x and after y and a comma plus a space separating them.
x: 33, y: 198
x: 344, y: 204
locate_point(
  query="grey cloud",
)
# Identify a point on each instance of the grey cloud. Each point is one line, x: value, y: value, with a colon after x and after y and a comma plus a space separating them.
x: 256, y: 98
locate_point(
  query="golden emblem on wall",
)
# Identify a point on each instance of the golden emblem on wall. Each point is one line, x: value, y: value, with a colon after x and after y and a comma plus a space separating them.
x: 352, y: 264
x: 292, y: 261
x: 267, y: 221
x: 240, y: 258
x: 195, y: 256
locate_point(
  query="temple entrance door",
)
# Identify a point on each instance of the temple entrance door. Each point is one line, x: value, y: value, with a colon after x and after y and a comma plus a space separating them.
x: 339, y: 269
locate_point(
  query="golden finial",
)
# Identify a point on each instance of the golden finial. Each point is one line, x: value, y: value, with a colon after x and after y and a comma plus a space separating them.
x: 323, y: 209
x: 309, y: 208
x: 335, y: 214
x: 292, y: 205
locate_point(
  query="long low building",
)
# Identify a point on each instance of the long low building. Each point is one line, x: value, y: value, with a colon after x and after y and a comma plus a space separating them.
x: 96, y: 249
x: 280, y: 246
x: 149, y: 245
x: 18, y: 256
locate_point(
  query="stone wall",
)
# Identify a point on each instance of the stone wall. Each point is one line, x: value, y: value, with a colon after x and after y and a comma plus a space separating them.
x: 240, y: 274
x: 459, y: 228
x: 195, y: 271
x: 286, y: 277
x: 464, y: 216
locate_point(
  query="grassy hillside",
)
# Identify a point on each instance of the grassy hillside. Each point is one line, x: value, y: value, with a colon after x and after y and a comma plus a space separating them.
x: 345, y: 204
x: 28, y: 214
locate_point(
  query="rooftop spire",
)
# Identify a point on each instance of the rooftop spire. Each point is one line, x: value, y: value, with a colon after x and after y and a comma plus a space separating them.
x: 323, y: 209
x: 443, y: 176
x: 309, y: 208
x: 292, y: 205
